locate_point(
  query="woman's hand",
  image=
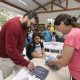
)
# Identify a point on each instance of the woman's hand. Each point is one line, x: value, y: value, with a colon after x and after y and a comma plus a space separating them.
x: 50, y: 63
x: 59, y: 56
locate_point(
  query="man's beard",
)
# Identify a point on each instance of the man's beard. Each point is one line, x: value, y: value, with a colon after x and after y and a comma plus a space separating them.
x: 25, y: 26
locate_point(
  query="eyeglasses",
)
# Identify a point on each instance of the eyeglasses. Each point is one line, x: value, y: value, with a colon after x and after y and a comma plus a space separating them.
x: 32, y: 24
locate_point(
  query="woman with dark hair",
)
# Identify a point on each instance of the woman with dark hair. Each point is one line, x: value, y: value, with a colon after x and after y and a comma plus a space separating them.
x: 71, y: 51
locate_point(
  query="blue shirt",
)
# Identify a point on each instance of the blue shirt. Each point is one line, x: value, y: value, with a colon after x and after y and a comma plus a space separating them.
x: 47, y: 36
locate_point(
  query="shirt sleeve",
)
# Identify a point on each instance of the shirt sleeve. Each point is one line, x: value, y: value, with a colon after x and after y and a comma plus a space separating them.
x: 72, y: 41
x: 12, y: 38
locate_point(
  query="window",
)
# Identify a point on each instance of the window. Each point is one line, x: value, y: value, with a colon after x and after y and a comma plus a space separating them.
x: 6, y: 14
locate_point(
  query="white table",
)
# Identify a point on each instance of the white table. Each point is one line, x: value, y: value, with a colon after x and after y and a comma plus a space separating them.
x: 55, y: 46
x: 62, y: 74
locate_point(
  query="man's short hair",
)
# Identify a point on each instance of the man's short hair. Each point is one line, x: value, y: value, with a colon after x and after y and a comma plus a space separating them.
x: 32, y: 14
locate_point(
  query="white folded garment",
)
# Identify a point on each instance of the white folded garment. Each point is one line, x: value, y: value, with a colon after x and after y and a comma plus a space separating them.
x: 52, y: 58
x: 24, y: 74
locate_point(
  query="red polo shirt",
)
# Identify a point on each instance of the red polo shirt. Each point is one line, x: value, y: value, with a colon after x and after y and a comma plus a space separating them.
x: 12, y: 39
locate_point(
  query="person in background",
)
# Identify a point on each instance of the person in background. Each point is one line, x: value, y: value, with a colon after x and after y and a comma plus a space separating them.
x: 30, y: 33
x: 47, y: 35
x: 29, y: 37
x: 35, y: 48
x: 59, y: 36
x: 12, y: 38
x: 71, y: 51
x: 74, y: 19
x: 52, y: 28
x: 41, y: 29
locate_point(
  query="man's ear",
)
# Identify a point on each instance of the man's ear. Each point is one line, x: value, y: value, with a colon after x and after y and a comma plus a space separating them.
x: 25, y: 18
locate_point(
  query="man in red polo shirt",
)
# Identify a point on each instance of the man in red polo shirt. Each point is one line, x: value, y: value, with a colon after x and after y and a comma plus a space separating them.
x: 12, y: 38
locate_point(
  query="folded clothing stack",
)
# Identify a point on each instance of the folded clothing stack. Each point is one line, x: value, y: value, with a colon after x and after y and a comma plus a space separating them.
x: 52, y: 58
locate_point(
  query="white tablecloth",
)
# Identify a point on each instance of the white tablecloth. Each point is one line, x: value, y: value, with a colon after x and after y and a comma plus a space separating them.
x: 62, y: 74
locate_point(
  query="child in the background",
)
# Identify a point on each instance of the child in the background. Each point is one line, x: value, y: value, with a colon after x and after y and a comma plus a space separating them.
x: 35, y: 48
x: 47, y: 35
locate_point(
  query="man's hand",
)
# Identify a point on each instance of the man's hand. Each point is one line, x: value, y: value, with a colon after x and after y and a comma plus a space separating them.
x: 31, y: 66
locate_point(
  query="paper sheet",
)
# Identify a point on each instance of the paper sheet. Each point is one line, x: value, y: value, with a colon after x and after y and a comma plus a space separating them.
x: 24, y: 74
